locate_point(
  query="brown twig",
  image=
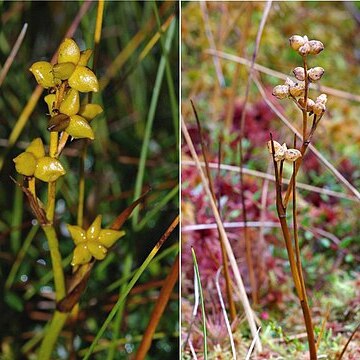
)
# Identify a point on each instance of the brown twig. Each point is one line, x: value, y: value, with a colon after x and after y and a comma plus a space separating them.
x: 158, y: 310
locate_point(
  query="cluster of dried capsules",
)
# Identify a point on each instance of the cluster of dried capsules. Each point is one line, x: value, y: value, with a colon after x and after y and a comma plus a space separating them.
x: 298, y: 91
x: 64, y: 81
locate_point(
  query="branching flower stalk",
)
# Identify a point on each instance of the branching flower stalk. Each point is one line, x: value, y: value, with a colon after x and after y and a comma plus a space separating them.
x: 298, y: 92
x: 64, y: 80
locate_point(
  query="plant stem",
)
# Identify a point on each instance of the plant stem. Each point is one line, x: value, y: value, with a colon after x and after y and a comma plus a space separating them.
x: 59, y: 279
x: 304, y: 303
x: 309, y: 328
x: 52, y: 333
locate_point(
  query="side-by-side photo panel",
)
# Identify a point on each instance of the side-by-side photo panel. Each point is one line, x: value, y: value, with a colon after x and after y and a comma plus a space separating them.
x: 89, y: 169
x: 270, y: 180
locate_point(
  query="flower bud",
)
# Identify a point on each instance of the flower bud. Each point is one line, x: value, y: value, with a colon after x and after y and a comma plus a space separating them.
x: 48, y: 169
x: 69, y: 52
x: 299, y: 73
x: 315, y: 47
x: 42, y: 70
x: 315, y: 73
x: 296, y: 41
x: 71, y: 103
x: 25, y: 164
x: 84, y: 57
x: 281, y: 91
x: 90, y: 111
x: 64, y: 70
x: 84, y: 80
x: 292, y: 154
x: 58, y: 123
x: 310, y: 104
x: 304, y: 50
x: 79, y: 128
x: 297, y: 90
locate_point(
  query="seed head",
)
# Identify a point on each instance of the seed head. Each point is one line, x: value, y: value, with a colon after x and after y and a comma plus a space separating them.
x: 309, y: 105
x: 281, y: 91
x: 315, y: 47
x: 304, y: 49
x: 296, y: 41
x: 315, y: 73
x: 298, y: 89
x: 299, y: 73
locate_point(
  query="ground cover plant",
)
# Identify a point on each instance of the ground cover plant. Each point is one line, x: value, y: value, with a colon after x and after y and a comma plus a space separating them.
x: 89, y: 167
x: 327, y: 196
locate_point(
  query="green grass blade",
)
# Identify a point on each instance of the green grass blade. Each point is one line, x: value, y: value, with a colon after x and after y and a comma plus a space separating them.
x: 197, y: 273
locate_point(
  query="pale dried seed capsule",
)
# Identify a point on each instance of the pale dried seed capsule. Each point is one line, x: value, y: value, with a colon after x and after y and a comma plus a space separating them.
x: 280, y: 153
x: 277, y: 146
x: 315, y: 73
x: 292, y: 154
x: 319, y: 108
x: 305, y: 49
x: 281, y: 91
x: 315, y: 47
x: 299, y: 73
x: 289, y: 82
x: 296, y: 41
x: 322, y: 99
x: 309, y: 105
x: 297, y: 90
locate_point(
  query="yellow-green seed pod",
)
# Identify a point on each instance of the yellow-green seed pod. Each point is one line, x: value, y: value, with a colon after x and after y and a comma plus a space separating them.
x: 58, y: 123
x: 77, y: 233
x: 97, y: 250
x: 94, y: 230
x: 79, y: 128
x: 36, y: 147
x: 84, y: 57
x: 64, y: 70
x: 42, y: 70
x: 25, y: 164
x: 90, y: 111
x: 71, y: 103
x: 81, y: 255
x: 48, y: 169
x: 50, y: 102
x: 108, y: 237
x: 68, y: 52
x: 83, y: 80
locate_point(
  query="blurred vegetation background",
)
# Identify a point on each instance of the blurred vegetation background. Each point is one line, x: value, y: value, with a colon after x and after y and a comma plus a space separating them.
x: 127, y: 75
x: 330, y: 240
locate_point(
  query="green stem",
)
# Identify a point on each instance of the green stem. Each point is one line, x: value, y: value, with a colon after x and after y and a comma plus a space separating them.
x: 51, y: 335
x: 56, y: 260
